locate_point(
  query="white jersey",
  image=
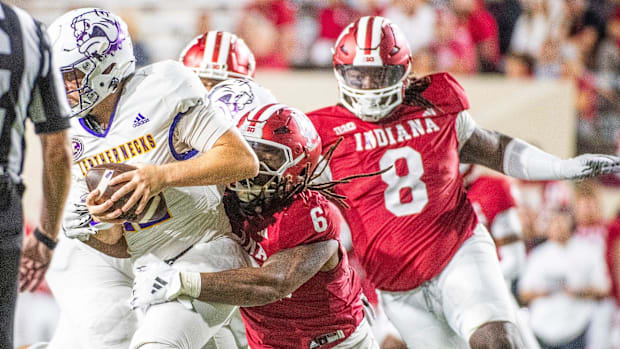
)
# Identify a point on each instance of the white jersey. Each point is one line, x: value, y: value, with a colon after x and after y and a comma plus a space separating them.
x: 239, y: 96
x: 162, y: 116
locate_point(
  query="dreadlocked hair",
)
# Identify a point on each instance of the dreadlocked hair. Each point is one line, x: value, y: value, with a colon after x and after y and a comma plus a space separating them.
x: 413, y: 93
x: 260, y: 209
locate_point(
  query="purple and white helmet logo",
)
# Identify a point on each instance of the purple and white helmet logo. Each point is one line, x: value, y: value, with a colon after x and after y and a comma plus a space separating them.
x: 236, y: 94
x: 98, y: 33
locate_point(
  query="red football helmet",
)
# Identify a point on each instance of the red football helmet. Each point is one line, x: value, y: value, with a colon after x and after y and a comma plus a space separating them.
x: 219, y: 55
x: 284, y: 141
x: 371, y: 61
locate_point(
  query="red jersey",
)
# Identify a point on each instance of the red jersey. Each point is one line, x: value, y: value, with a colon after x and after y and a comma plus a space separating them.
x: 490, y: 196
x: 326, y: 306
x: 407, y: 223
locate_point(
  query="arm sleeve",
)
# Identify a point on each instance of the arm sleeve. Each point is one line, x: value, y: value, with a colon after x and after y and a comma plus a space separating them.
x: 201, y: 126
x: 48, y: 108
x: 465, y: 126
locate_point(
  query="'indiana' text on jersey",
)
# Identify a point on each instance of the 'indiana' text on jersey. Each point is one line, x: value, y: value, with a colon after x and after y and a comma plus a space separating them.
x: 119, y: 153
x: 381, y: 137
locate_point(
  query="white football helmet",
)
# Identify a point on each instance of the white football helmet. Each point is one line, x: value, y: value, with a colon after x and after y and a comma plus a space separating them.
x: 96, y: 43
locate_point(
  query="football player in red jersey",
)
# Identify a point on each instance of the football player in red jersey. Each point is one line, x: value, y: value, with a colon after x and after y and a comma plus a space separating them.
x: 305, y: 294
x: 413, y: 228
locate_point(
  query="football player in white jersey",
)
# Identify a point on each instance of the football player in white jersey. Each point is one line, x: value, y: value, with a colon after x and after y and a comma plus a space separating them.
x: 157, y: 115
x: 226, y: 67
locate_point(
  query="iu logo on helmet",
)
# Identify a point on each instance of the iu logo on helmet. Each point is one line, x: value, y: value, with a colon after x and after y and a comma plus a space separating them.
x: 97, y: 33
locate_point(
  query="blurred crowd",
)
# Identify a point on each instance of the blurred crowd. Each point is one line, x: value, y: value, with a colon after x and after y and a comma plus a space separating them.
x: 571, y: 277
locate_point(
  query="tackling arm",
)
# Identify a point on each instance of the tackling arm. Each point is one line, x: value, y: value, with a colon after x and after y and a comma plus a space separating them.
x: 519, y: 159
x: 278, y: 277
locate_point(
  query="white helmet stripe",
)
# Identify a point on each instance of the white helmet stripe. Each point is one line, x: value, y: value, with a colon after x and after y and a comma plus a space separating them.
x: 361, y: 31
x: 209, y: 47
x: 224, y: 48
x: 253, y: 113
x: 253, y: 126
x: 266, y: 113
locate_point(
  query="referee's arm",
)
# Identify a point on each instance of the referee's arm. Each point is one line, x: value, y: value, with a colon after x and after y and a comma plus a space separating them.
x: 50, y: 119
x: 49, y: 112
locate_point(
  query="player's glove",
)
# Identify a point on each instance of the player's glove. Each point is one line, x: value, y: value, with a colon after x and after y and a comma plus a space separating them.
x: 157, y: 282
x: 78, y: 223
x: 589, y: 165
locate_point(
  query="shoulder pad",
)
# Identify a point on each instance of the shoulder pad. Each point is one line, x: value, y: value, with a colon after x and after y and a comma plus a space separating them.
x: 446, y: 93
x: 183, y: 88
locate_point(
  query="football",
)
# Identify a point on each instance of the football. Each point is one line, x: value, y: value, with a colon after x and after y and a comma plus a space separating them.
x: 100, y: 176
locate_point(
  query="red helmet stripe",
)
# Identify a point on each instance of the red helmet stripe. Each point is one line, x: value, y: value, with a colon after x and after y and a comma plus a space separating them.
x: 216, y: 47
x: 368, y: 42
x: 377, y: 25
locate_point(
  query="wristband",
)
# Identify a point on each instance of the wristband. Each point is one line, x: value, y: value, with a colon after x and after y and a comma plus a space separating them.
x: 44, y: 239
x: 190, y: 284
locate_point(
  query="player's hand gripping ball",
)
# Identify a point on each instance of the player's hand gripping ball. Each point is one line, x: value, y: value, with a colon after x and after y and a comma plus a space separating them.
x: 100, y: 176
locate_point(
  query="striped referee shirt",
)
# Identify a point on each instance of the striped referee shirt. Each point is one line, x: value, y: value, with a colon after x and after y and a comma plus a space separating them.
x: 30, y: 87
